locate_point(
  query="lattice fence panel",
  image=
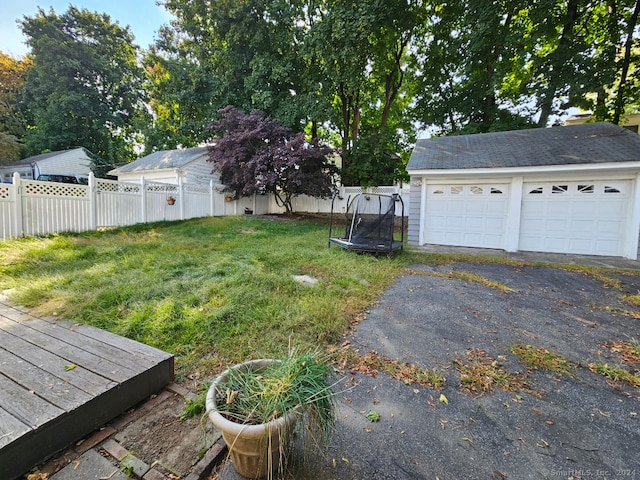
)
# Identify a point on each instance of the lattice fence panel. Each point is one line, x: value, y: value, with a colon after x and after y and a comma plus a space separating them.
x: 54, y: 189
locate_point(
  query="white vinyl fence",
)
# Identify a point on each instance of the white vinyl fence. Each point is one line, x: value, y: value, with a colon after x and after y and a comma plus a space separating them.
x: 30, y: 207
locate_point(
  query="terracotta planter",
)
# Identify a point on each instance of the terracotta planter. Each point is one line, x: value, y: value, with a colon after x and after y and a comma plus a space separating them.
x: 171, y: 200
x: 256, y: 450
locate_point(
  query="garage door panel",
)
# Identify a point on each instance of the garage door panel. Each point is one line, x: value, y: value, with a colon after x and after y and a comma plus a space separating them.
x: 474, y: 223
x: 455, y: 222
x: 586, y: 208
x: 494, y: 224
x: 610, y: 246
x: 456, y: 206
x: 555, y: 226
x: 533, y: 226
x: 476, y: 208
x: 580, y: 245
x: 582, y: 217
x: 582, y: 226
x: 555, y: 244
x: 495, y: 208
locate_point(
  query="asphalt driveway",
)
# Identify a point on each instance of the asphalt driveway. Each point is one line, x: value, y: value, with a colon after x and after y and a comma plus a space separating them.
x: 547, y: 426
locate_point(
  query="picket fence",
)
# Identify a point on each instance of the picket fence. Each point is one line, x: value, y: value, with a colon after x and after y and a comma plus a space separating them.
x: 32, y: 208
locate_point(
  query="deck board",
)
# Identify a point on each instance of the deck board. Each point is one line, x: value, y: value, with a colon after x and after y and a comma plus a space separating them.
x: 54, y: 364
x: 10, y: 428
x: 69, y: 350
x: 44, y: 404
x: 27, y: 407
x: 69, y: 333
x: 51, y: 388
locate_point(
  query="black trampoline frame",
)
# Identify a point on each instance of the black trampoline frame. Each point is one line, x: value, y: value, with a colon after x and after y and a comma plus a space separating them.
x: 372, y: 245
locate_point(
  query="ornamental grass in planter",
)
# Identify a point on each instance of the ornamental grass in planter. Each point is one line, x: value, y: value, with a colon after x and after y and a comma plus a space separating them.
x: 259, y: 405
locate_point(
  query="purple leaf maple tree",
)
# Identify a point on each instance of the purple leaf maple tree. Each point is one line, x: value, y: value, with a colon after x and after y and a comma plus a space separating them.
x: 254, y: 154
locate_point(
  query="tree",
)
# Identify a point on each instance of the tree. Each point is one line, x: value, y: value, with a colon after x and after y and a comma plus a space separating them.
x: 473, y: 64
x: 254, y: 154
x: 334, y: 68
x: 364, y: 75
x: 9, y: 148
x: 242, y: 53
x: 13, y: 127
x: 84, y: 88
x: 362, y: 46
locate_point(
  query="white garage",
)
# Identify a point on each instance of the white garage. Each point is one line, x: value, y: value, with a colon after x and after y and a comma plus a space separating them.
x: 563, y: 189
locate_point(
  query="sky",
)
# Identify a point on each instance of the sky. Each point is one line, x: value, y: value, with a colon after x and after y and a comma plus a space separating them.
x: 143, y: 17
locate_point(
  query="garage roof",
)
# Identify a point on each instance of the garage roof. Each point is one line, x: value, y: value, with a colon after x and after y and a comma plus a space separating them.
x: 589, y: 143
x: 162, y: 160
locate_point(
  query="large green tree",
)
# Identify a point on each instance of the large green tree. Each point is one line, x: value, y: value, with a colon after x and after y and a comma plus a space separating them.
x: 363, y: 47
x: 506, y: 64
x: 13, y: 127
x: 335, y: 69
x: 85, y: 85
x: 367, y: 75
x: 471, y: 57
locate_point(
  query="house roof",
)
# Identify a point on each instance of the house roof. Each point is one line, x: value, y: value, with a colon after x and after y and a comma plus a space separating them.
x: 164, y: 159
x: 590, y: 143
x: 43, y: 156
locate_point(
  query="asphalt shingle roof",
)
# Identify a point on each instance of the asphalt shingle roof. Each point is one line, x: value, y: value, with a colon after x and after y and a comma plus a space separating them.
x: 577, y: 144
x: 162, y: 159
x: 42, y: 156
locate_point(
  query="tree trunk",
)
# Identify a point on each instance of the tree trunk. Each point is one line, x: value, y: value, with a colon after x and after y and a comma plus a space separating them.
x: 489, y: 110
x: 626, y: 60
x: 392, y: 86
x: 558, y: 61
x: 346, y: 118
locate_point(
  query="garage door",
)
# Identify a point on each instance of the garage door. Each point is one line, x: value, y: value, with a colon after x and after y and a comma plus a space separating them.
x: 574, y: 217
x: 466, y: 215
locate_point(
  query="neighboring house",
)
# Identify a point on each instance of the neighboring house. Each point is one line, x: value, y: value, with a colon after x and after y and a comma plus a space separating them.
x: 168, y: 166
x: 630, y: 122
x: 572, y: 189
x: 76, y: 162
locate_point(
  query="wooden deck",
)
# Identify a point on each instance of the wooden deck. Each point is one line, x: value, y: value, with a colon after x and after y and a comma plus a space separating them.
x: 60, y: 381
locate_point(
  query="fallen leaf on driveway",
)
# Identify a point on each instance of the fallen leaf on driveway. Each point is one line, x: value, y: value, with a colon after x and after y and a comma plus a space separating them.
x: 444, y: 399
x: 373, y: 416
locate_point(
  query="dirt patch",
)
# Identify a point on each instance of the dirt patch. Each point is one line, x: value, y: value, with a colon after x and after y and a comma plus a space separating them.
x: 160, y: 436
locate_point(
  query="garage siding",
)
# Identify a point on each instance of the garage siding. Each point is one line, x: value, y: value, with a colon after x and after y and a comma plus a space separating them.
x: 414, y: 207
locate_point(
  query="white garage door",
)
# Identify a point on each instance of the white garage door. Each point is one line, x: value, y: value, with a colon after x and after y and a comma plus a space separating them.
x: 574, y: 217
x: 466, y: 215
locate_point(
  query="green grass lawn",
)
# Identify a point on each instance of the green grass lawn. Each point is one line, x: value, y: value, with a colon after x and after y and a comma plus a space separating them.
x: 212, y: 291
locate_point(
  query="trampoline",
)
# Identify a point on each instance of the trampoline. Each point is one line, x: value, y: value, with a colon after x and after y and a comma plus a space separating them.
x: 369, y: 223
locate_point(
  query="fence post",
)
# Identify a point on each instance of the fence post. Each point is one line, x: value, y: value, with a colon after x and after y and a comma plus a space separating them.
x: 93, y: 202
x: 143, y: 199
x: 19, y: 222
x: 211, y: 205
x: 181, y: 197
